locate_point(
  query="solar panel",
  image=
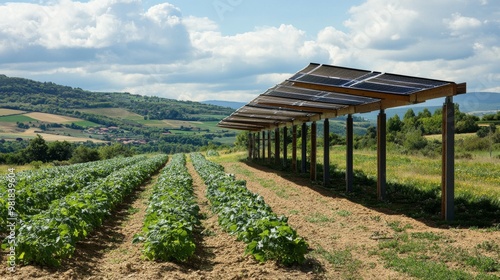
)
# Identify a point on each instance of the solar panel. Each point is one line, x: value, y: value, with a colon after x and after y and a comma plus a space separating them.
x: 323, y: 80
x: 331, y: 91
x: 385, y: 88
x: 339, y: 72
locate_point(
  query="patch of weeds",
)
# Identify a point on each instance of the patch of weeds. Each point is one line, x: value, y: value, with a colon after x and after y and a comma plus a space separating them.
x: 132, y: 210
x: 489, y: 246
x: 426, y: 235
x: 396, y: 226
x: 344, y: 213
x: 343, y: 260
x: 294, y: 212
x: 375, y: 218
x: 423, y: 269
x: 483, y: 263
x: 208, y: 232
x: 319, y: 218
x: 362, y: 227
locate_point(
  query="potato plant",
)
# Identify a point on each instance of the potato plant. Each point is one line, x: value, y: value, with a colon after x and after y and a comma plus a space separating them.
x: 172, y: 214
x: 50, y: 236
x: 245, y: 214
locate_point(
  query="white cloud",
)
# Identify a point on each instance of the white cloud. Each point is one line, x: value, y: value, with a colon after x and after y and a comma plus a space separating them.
x: 117, y: 45
x: 459, y: 24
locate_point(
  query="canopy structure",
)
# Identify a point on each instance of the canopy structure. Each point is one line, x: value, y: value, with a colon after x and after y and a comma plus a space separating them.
x: 320, y: 91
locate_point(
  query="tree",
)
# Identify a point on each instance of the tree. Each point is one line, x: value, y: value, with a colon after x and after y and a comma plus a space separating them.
x: 394, y: 124
x: 37, y: 149
x: 60, y: 151
x: 84, y: 154
x: 114, y: 150
x: 414, y: 140
x: 242, y: 140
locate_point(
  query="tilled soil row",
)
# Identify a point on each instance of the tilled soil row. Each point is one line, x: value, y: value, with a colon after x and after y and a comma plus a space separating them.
x: 109, y: 253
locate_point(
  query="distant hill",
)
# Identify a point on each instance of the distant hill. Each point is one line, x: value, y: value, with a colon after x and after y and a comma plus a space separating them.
x: 153, y: 123
x: 24, y: 94
x: 231, y: 104
x: 477, y: 103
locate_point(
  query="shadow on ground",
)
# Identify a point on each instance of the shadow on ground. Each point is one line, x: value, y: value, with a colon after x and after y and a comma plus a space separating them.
x: 423, y: 205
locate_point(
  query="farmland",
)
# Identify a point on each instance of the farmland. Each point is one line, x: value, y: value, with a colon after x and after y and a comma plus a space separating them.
x: 349, y: 236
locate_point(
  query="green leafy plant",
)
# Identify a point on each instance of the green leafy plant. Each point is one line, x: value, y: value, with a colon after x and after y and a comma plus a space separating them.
x: 171, y: 215
x: 50, y: 236
x: 246, y: 215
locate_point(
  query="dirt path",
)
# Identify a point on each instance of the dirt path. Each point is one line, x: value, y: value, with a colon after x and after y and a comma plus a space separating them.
x: 342, y: 233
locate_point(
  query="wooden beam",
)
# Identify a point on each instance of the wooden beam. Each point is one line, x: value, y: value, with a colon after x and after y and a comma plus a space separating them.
x: 438, y: 92
x: 353, y: 91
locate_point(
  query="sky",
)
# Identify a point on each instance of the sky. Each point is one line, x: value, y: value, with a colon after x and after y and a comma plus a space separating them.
x: 234, y: 50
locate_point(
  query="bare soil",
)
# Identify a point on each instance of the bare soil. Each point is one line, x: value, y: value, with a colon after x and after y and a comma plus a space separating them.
x: 329, y: 223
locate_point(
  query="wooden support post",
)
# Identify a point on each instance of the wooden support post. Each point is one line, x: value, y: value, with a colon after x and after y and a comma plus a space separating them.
x: 349, y: 174
x: 326, y: 153
x: 249, y: 145
x: 257, y: 145
x: 277, y: 146
x: 313, y: 151
x: 303, y: 168
x: 269, y: 145
x: 381, y: 156
x: 294, y: 148
x: 285, y: 144
x: 448, y: 164
x: 263, y: 144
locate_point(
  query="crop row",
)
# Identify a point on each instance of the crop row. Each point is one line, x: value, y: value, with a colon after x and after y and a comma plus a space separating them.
x: 246, y: 215
x: 50, y: 236
x: 171, y: 215
x: 33, y: 197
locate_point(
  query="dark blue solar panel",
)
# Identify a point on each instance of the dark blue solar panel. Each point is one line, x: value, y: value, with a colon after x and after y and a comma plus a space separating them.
x: 385, y: 88
x: 411, y: 81
x: 322, y: 80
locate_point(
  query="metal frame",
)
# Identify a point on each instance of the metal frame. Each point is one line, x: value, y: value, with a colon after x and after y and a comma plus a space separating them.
x: 320, y: 91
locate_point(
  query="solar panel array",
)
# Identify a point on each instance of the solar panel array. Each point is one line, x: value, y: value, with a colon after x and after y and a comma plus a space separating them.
x: 325, y: 91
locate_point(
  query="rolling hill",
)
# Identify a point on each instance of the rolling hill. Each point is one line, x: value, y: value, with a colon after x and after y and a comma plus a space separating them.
x: 150, y: 122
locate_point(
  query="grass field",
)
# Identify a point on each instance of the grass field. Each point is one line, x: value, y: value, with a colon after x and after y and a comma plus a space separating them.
x: 114, y: 113
x: 16, y: 118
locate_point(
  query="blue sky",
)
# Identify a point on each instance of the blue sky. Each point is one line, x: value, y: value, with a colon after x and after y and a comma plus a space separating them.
x: 236, y: 49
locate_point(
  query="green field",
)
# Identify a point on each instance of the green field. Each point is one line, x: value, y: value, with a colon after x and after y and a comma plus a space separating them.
x: 86, y: 124
x: 16, y: 118
x: 114, y: 113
